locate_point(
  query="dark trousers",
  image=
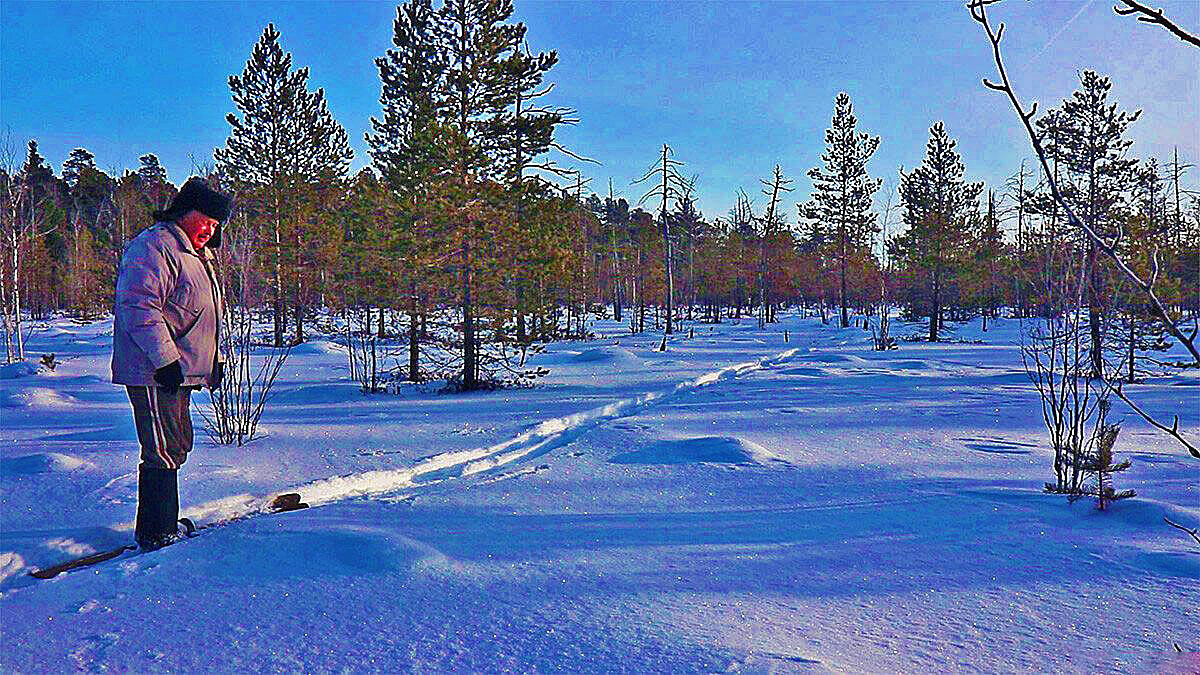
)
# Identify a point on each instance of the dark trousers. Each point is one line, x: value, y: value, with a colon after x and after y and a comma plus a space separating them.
x: 164, y: 425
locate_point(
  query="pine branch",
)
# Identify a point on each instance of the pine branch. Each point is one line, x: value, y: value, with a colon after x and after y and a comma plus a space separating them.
x: 572, y: 155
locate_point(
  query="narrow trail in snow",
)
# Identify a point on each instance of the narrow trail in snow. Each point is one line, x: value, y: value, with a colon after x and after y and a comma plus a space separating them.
x: 539, y: 440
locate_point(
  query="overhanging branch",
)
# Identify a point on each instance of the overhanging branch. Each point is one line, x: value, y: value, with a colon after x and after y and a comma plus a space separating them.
x: 1155, y: 16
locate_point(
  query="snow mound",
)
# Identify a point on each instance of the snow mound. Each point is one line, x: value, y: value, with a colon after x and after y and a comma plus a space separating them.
x: 318, y: 347
x: 37, y: 398
x: 42, y: 462
x: 804, y: 371
x: 607, y: 354
x: 12, y: 371
x: 710, y: 449
x: 836, y: 358
x: 10, y: 565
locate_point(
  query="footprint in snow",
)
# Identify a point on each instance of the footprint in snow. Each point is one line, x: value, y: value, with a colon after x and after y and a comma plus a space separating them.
x: 89, y: 654
x: 998, y: 446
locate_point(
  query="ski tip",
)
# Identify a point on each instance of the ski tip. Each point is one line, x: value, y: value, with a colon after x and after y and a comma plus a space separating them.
x: 288, y: 501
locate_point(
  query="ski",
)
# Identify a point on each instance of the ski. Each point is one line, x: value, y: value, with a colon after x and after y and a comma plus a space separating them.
x: 282, y: 503
x: 92, y: 559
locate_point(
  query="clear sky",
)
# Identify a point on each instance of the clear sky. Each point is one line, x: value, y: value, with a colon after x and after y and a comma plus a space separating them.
x: 733, y: 87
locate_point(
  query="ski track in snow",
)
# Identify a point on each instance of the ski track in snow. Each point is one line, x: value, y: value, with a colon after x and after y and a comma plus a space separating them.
x: 539, y: 440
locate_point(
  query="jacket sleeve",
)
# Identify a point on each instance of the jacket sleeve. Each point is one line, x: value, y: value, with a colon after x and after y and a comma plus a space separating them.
x: 218, y: 305
x: 143, y: 285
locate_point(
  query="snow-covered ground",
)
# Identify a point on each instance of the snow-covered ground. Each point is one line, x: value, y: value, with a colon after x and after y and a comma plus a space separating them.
x: 734, y: 503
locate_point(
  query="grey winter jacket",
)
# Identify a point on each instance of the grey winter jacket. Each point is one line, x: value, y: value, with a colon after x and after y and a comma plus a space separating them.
x: 168, y: 306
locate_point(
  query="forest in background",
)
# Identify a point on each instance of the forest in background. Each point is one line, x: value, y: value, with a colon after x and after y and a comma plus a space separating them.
x: 468, y: 242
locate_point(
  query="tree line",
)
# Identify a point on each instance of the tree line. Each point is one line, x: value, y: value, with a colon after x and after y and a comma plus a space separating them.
x: 466, y: 242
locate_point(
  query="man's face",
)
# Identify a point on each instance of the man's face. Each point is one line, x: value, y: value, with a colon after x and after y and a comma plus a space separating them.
x: 198, y: 227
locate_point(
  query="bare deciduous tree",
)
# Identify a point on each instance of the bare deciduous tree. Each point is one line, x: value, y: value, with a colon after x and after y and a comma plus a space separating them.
x: 236, y: 407
x: 672, y: 186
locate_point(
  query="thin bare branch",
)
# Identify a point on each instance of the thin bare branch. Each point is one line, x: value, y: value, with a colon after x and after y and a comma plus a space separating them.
x: 1193, y: 531
x: 1172, y: 430
x: 573, y: 155
x: 1155, y: 16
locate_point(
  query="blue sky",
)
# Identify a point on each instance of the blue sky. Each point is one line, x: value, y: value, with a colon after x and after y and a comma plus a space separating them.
x: 733, y: 87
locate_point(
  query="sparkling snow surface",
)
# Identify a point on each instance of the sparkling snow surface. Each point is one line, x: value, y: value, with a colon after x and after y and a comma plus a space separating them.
x: 734, y: 503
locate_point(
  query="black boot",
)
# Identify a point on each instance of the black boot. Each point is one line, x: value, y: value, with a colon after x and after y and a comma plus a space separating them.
x: 158, y: 507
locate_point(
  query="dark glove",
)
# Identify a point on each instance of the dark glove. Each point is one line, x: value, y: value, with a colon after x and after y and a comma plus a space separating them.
x: 218, y: 375
x: 169, y: 377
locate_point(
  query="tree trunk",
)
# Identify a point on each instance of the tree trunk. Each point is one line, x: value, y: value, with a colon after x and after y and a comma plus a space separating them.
x: 1132, y: 337
x: 414, y: 343
x: 935, y: 314
x: 842, y: 274
x: 468, y: 372
x: 1095, y: 315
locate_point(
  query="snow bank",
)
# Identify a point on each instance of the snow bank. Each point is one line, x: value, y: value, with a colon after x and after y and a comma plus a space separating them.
x: 36, y: 398
x: 705, y: 449
x: 11, y: 371
x: 42, y: 462
x: 607, y: 354
x: 11, y: 564
x: 318, y: 347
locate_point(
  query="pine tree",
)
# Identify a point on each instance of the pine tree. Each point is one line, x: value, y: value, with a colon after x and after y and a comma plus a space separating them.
x: 616, y: 218
x: 1098, y: 462
x: 843, y: 192
x: 408, y: 148
x: 154, y: 181
x: 771, y: 228
x: 937, y: 202
x: 1087, y: 139
x: 988, y: 263
x: 667, y: 185
x: 79, y: 159
x: 285, y: 142
x: 89, y: 193
x: 404, y: 145
x: 485, y: 70
x: 690, y: 223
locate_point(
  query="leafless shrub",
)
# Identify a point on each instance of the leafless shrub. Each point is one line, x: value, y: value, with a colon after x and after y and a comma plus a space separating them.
x: 235, y: 408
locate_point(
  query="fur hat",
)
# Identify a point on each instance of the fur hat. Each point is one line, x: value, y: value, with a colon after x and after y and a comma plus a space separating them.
x: 197, y: 195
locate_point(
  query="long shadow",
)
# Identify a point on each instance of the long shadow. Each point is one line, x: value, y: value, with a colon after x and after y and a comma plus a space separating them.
x: 872, y: 535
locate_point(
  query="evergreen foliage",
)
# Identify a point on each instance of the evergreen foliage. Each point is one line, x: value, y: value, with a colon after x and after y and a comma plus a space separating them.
x: 938, y: 204
x: 842, y: 197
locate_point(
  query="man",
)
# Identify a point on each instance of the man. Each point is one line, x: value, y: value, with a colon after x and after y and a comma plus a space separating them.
x: 166, y: 327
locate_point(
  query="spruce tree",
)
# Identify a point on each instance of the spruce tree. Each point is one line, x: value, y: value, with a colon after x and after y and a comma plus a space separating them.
x: 843, y: 192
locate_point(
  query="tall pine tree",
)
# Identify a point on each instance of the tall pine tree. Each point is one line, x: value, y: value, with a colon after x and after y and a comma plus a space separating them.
x: 843, y: 192
x: 1086, y: 136
x: 285, y: 143
x: 937, y: 203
